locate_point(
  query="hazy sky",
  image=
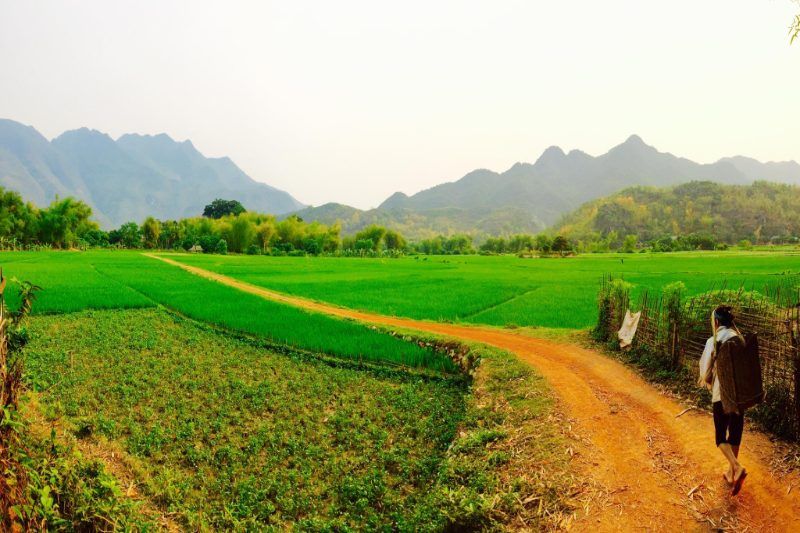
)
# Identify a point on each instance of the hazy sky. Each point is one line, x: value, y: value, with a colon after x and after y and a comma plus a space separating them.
x: 350, y: 101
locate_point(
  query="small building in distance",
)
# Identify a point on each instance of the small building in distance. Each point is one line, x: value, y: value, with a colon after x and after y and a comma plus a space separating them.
x: 196, y: 249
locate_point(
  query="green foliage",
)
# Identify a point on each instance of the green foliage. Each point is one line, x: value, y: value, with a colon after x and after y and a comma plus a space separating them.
x: 441, y: 245
x: 374, y: 234
x: 220, y: 208
x: 394, y: 241
x: 243, y: 438
x: 221, y: 247
x: 560, y: 244
x: 629, y: 244
x: 69, y: 492
x: 64, y: 222
x: 151, y: 231
x: 14, y: 480
x: 692, y: 216
x: 128, y: 235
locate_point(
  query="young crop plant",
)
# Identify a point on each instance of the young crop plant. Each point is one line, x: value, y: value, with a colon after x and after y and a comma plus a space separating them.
x: 228, y: 435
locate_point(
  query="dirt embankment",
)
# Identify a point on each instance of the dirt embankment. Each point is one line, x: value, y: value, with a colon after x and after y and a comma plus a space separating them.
x: 652, y: 470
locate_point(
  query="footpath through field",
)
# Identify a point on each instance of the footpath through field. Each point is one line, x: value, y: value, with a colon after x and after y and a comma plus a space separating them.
x: 650, y: 470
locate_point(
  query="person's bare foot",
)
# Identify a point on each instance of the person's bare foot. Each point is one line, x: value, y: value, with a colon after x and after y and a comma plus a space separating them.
x: 738, y: 478
x: 728, y: 475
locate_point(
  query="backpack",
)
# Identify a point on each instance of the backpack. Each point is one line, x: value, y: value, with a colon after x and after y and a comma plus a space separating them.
x: 738, y: 368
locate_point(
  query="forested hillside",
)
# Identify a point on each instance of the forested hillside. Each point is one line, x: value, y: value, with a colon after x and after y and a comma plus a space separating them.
x: 761, y: 212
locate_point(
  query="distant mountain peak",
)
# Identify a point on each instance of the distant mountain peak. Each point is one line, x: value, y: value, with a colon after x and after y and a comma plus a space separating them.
x: 635, y: 140
x: 397, y: 199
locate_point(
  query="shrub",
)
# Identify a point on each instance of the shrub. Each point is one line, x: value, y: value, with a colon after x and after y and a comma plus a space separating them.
x: 221, y: 247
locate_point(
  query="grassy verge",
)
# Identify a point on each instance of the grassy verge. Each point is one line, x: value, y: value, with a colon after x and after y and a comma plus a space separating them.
x: 508, y: 467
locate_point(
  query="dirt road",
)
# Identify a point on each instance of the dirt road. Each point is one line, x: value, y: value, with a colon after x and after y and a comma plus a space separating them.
x: 654, y: 471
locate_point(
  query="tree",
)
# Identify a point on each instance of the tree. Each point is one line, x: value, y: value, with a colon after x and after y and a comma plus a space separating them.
x: 630, y: 243
x: 265, y: 231
x: 151, y: 230
x: 794, y: 29
x: 64, y: 222
x: 364, y: 245
x: 543, y: 243
x: 373, y: 233
x: 241, y: 235
x: 221, y: 248
x: 96, y: 237
x: 560, y: 244
x: 128, y: 235
x: 18, y: 220
x: 220, y: 208
x: 394, y: 240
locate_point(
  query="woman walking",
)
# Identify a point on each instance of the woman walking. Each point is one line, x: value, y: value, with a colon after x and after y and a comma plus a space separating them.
x: 728, y: 426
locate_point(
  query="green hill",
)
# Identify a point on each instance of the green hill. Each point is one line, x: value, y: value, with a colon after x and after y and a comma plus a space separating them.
x: 759, y: 212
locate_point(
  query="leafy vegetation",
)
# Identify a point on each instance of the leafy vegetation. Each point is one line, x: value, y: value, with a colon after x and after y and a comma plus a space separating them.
x: 696, y: 215
x: 226, y: 435
x: 220, y: 208
x: 61, y: 225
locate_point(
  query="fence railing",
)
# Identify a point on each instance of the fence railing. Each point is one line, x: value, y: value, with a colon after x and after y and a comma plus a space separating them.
x: 674, y: 328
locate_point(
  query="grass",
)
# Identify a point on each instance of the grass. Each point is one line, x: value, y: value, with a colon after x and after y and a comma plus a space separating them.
x: 123, y: 280
x: 554, y: 292
x: 227, y: 435
x: 70, y: 282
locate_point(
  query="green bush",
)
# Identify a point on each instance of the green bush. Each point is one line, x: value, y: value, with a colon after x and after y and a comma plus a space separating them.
x: 221, y: 247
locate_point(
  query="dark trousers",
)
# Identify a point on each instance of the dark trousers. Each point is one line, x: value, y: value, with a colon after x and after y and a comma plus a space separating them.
x: 728, y: 427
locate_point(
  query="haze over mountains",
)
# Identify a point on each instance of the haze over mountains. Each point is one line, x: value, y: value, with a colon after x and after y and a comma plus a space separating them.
x: 129, y: 179
x: 528, y: 197
x: 142, y: 175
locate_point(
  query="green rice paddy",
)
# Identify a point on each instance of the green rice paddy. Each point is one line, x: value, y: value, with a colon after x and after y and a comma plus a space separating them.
x: 121, y: 280
x: 506, y: 290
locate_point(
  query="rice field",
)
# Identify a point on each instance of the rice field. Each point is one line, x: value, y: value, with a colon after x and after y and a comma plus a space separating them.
x: 122, y: 280
x: 506, y: 290
x: 216, y: 405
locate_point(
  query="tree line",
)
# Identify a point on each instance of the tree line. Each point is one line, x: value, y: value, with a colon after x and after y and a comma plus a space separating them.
x: 224, y: 227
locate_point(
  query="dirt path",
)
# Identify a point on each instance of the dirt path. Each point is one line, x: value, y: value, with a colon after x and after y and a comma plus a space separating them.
x: 654, y: 471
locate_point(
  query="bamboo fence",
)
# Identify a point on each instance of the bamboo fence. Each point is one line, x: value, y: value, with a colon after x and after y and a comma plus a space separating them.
x: 675, y: 330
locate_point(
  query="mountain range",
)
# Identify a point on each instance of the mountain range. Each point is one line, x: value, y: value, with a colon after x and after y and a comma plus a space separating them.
x: 137, y: 176
x: 127, y: 179
x: 529, y: 197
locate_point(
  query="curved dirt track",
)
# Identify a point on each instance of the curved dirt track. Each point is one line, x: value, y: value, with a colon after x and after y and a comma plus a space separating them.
x: 649, y: 469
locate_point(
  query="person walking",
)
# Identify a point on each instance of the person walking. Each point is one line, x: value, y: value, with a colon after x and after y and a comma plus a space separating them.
x: 728, y: 426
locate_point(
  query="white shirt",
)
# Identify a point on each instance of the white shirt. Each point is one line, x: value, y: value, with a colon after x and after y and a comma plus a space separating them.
x: 723, y: 334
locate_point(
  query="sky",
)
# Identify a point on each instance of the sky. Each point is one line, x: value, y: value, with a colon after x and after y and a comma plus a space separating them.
x: 350, y: 101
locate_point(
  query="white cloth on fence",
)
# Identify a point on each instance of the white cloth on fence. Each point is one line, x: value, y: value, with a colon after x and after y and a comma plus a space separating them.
x: 628, y: 329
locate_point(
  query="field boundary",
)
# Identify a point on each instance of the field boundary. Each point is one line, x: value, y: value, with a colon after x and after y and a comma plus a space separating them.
x: 504, y: 302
